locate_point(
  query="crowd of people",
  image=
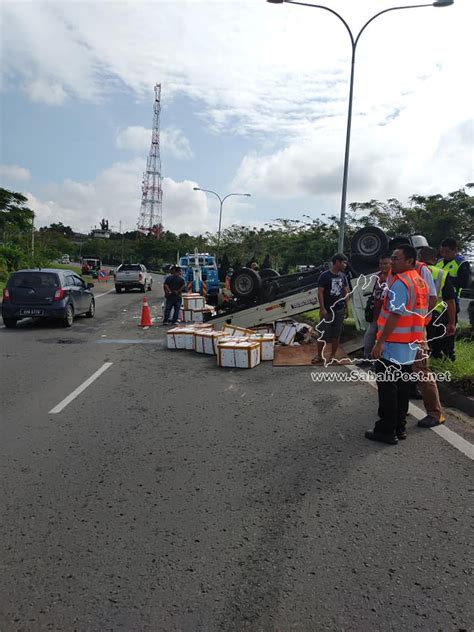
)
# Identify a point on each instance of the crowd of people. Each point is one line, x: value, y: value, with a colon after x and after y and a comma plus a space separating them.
x: 412, y: 313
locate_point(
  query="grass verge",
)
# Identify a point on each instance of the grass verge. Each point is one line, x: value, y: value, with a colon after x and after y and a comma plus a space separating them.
x: 462, y: 370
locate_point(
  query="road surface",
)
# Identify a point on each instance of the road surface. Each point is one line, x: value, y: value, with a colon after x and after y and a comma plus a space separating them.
x: 172, y: 496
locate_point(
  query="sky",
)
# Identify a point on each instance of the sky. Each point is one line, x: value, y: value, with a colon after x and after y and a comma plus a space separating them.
x: 254, y: 100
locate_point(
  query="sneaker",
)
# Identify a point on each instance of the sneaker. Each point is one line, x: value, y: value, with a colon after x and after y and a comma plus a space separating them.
x: 382, y: 437
x: 430, y: 422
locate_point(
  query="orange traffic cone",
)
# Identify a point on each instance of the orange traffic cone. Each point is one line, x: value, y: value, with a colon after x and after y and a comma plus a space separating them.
x: 146, y: 316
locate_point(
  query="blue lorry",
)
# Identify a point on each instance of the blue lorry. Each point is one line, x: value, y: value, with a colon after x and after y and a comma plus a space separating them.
x: 200, y: 273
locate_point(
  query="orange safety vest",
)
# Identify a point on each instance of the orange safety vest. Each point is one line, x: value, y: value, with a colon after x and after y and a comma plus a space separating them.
x: 411, y: 324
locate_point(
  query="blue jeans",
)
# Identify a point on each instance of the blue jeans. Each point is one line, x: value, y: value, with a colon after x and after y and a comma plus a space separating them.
x: 173, y: 301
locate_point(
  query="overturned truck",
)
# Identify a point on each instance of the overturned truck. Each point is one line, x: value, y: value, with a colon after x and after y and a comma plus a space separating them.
x: 265, y: 296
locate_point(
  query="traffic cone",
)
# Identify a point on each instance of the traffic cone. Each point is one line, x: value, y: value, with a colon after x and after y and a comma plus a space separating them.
x: 146, y: 316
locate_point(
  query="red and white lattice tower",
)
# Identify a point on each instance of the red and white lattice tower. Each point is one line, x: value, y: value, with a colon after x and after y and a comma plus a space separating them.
x: 150, y: 219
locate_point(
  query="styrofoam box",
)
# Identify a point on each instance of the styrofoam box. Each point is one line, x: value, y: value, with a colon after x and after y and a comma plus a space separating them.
x: 198, y: 338
x: 193, y: 302
x: 262, y: 329
x: 233, y: 330
x: 281, y: 324
x: 176, y: 338
x: 239, y: 355
x: 185, y: 315
x: 198, y: 314
x: 210, y: 341
x: 288, y: 334
x: 267, y: 345
x: 191, y: 330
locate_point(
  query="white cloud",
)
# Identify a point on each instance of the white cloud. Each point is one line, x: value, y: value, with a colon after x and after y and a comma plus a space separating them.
x: 172, y: 141
x: 115, y: 194
x: 252, y: 68
x: 14, y: 172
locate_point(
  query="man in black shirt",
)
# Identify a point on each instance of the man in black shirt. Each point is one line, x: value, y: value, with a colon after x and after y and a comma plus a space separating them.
x: 174, y: 285
x: 333, y: 296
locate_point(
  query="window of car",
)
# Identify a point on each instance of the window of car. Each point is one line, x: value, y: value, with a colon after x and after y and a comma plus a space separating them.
x: 34, y: 279
x: 78, y: 281
x: 126, y: 267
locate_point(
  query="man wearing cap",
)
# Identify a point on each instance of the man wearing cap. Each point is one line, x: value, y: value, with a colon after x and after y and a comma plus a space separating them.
x: 173, y: 286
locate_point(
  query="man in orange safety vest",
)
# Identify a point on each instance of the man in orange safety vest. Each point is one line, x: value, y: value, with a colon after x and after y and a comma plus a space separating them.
x: 400, y: 326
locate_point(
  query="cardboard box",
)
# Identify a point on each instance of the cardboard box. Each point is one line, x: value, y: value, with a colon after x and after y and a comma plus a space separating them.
x: 176, y: 337
x: 233, y: 330
x: 267, y: 345
x: 239, y: 355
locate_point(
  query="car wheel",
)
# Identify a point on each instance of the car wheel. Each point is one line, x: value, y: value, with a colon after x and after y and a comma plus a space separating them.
x: 91, y: 312
x: 127, y: 290
x: 10, y: 323
x: 143, y: 288
x: 149, y: 287
x: 68, y: 316
x: 118, y: 289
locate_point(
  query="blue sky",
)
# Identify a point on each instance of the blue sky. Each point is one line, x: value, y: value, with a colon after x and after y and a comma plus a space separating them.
x: 254, y: 100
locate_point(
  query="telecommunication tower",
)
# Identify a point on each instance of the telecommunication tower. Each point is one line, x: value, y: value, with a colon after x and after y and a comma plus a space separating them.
x: 151, y: 215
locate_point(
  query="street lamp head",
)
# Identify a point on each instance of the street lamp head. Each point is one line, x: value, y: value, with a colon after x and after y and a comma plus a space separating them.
x: 248, y: 194
x: 276, y: 1
x: 196, y: 189
x: 443, y: 3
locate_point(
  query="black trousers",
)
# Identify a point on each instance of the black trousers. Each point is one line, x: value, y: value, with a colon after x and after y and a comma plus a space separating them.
x: 394, y: 396
x: 439, y: 344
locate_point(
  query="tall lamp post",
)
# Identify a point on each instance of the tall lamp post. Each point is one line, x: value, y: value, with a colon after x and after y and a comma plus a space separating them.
x: 221, y: 202
x: 354, y: 42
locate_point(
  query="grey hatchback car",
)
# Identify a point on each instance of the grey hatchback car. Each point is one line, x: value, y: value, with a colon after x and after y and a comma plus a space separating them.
x: 46, y: 293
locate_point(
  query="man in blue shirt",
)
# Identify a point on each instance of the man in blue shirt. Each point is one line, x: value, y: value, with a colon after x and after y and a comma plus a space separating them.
x: 396, y: 356
x: 174, y: 285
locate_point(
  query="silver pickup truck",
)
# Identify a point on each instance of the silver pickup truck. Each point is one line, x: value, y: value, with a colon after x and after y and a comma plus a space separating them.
x: 132, y: 275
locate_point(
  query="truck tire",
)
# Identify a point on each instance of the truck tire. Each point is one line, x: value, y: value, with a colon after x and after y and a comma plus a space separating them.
x: 369, y: 242
x: 118, y: 289
x: 268, y: 273
x: 245, y: 283
x: 270, y: 290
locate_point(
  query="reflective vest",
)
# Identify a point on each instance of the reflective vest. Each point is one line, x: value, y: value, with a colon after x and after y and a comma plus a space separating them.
x: 411, y: 323
x: 439, y: 278
x: 452, y: 268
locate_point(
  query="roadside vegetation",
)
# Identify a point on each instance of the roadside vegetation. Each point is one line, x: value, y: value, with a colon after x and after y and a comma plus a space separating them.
x: 462, y: 371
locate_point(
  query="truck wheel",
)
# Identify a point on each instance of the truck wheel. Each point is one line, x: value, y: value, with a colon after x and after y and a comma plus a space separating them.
x: 10, y: 323
x: 118, y: 289
x: 245, y: 283
x: 268, y: 273
x: 369, y: 242
x: 270, y: 290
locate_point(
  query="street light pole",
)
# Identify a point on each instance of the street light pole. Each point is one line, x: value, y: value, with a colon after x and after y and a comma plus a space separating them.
x: 221, y: 202
x: 354, y: 42
x: 33, y: 237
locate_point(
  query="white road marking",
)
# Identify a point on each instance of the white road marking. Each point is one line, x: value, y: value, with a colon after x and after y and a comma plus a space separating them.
x: 67, y: 400
x: 103, y: 294
x: 448, y: 435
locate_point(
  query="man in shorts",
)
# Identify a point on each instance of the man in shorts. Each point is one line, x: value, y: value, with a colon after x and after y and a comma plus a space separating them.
x: 333, y: 296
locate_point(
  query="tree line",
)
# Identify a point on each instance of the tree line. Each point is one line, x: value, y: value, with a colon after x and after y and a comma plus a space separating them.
x: 281, y: 244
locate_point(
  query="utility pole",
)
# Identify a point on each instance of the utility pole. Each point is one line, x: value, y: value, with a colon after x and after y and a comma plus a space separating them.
x: 33, y: 237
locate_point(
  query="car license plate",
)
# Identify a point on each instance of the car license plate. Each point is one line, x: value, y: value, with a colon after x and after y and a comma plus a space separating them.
x: 31, y: 312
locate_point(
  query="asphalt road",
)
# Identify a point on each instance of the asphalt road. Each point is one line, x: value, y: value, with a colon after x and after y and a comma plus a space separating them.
x: 174, y: 496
